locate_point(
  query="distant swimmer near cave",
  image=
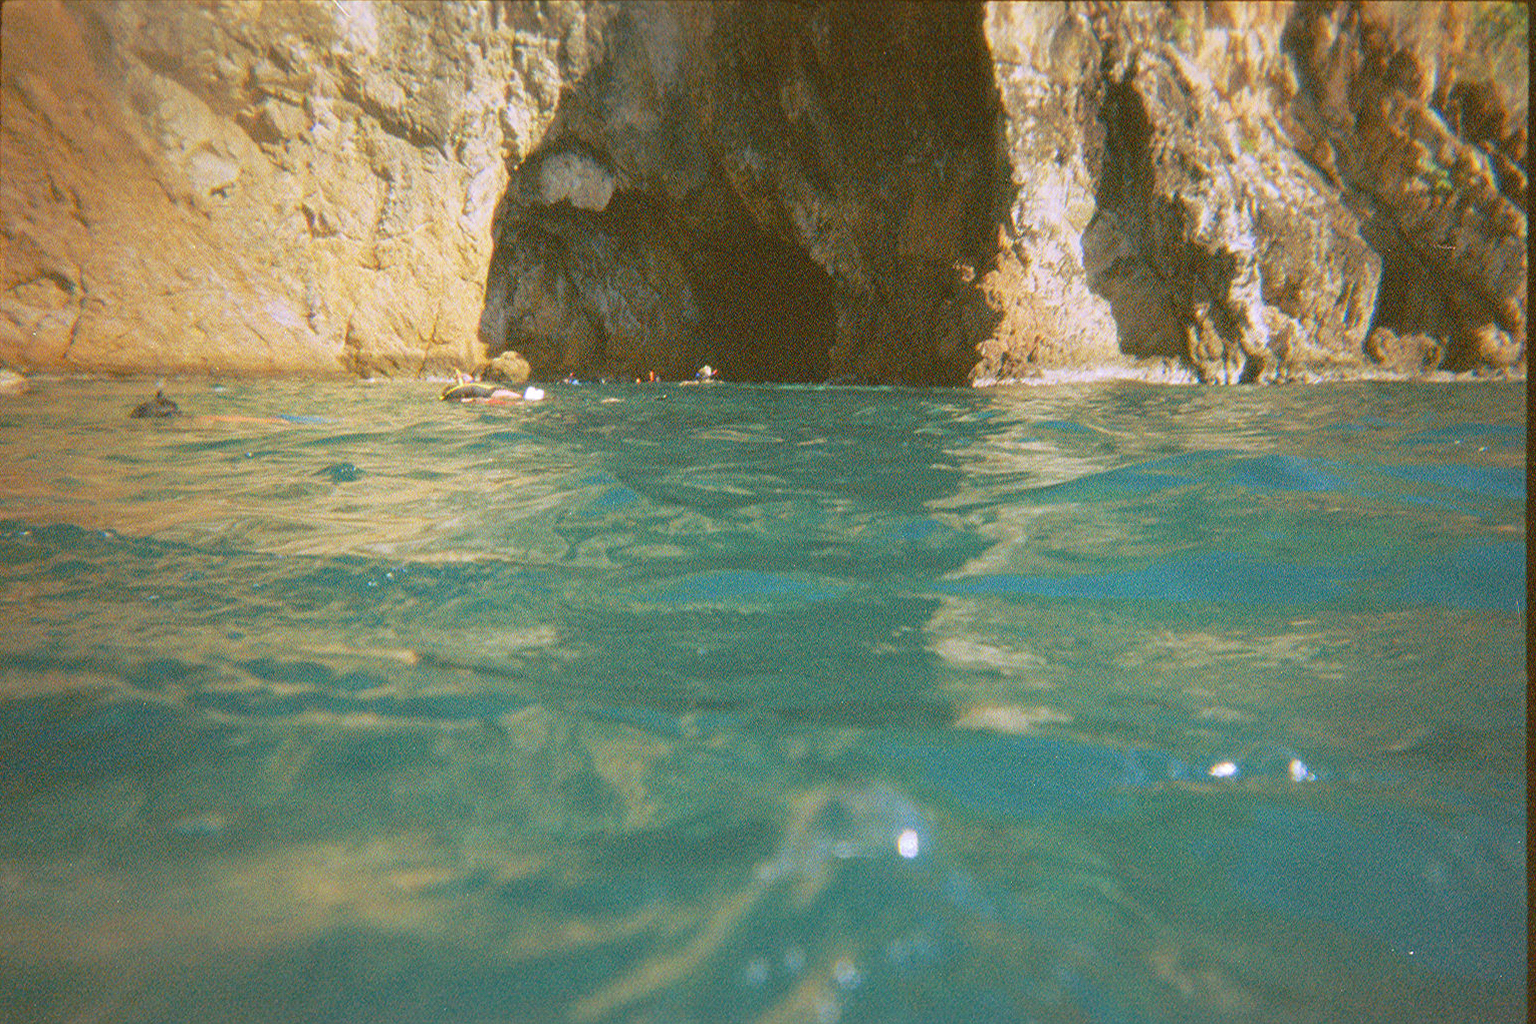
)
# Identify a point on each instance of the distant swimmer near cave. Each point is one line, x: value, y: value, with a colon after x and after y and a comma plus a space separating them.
x: 473, y: 391
x: 470, y: 390
x: 155, y: 408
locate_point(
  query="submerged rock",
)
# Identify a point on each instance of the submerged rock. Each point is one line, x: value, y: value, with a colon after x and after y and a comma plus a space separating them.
x: 899, y: 192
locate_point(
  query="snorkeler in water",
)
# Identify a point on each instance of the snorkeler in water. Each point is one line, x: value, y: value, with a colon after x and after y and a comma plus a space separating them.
x: 467, y: 389
x: 155, y: 408
x: 161, y: 407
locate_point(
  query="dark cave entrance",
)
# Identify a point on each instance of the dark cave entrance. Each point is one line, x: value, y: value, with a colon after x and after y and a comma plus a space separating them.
x: 1134, y: 243
x: 881, y: 125
x: 767, y: 312
x: 847, y: 183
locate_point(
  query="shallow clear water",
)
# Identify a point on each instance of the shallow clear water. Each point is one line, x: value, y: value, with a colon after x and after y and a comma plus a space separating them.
x: 664, y: 703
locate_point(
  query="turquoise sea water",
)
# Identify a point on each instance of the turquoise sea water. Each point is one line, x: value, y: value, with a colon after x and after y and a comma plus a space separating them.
x: 1112, y: 702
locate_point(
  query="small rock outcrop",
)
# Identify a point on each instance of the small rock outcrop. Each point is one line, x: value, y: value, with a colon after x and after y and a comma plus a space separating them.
x: 156, y: 408
x: 507, y: 368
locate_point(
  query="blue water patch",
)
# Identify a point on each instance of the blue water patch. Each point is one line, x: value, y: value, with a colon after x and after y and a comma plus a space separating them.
x: 1486, y: 576
x: 1448, y: 895
x: 1493, y: 481
x: 1279, y: 472
x: 739, y: 585
x: 1204, y: 576
x: 310, y: 673
x: 1033, y: 777
x: 1142, y: 478
x: 1473, y: 576
x: 52, y: 738
x: 449, y: 707
x: 615, y: 498
x: 1289, y: 473
x: 1367, y: 423
x: 918, y: 530
x: 1067, y: 425
x: 497, y: 441
x: 1504, y: 434
x: 341, y: 473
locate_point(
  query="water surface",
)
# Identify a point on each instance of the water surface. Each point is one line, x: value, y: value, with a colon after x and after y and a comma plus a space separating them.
x: 1109, y: 702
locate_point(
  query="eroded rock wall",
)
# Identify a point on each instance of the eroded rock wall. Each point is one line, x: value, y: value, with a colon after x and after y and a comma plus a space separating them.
x: 783, y: 191
x: 913, y: 192
x: 1433, y: 161
x: 279, y: 187
x: 1180, y: 200
x: 939, y: 193
x: 1214, y: 245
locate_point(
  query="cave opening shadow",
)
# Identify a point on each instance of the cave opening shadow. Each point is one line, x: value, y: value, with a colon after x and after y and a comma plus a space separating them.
x: 1121, y: 245
x: 798, y: 204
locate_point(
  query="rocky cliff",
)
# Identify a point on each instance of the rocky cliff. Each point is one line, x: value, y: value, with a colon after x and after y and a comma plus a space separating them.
x: 915, y: 192
x: 281, y: 187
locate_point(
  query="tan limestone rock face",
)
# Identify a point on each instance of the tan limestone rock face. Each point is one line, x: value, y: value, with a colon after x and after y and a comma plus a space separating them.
x: 1246, y: 189
x: 507, y: 368
x: 907, y: 192
x: 261, y: 187
x: 88, y: 217
x: 1043, y: 57
x: 1410, y: 354
x: 1420, y: 110
x: 1160, y: 216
